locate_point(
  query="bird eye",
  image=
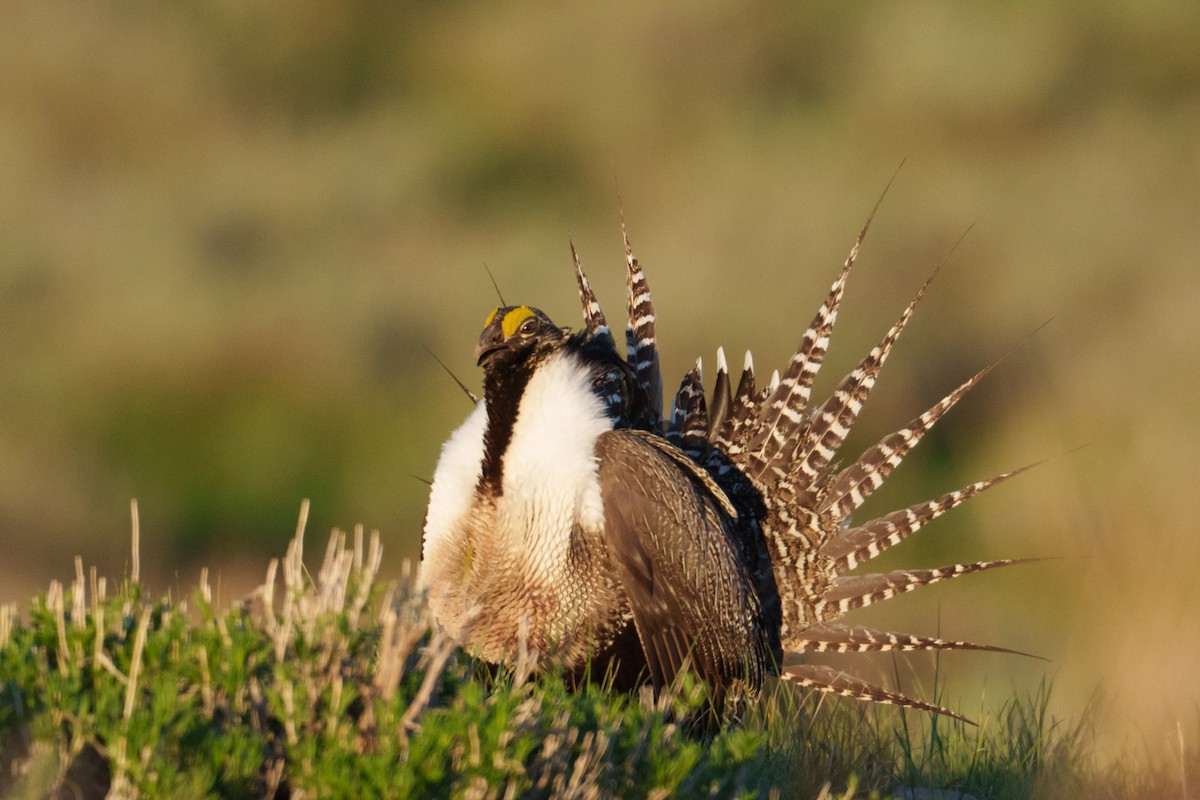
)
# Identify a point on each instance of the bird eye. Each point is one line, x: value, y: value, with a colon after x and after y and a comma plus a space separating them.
x: 528, y: 326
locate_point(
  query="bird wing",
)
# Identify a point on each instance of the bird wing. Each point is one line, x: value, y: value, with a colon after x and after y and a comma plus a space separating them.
x: 671, y: 533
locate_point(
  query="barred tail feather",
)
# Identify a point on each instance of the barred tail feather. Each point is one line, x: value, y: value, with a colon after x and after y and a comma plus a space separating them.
x: 640, y: 342
x: 848, y: 548
x: 734, y: 432
x: 593, y: 315
x: 787, y: 401
x: 783, y: 414
x: 767, y: 457
x: 853, y: 485
x: 856, y: 591
x: 829, y: 638
x: 827, y: 679
x: 689, y: 416
x: 831, y: 423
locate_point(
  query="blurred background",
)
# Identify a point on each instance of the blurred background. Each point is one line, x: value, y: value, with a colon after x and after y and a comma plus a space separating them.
x: 229, y: 232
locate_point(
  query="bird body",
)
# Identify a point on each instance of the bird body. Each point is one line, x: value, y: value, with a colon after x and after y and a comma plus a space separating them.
x: 570, y: 520
x: 553, y: 530
x: 477, y: 544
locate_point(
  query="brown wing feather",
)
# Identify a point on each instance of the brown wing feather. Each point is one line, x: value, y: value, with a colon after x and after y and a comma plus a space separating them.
x: 671, y: 538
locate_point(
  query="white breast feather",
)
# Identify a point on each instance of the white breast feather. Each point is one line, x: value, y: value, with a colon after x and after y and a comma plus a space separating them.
x: 550, y: 467
x: 549, y: 477
x: 454, y: 480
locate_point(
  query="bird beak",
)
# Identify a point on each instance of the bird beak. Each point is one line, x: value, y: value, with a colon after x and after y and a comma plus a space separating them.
x: 491, y: 342
x: 484, y: 353
x: 492, y: 339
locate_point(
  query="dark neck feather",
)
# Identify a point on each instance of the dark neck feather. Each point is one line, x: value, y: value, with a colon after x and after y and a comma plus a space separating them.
x: 502, y: 392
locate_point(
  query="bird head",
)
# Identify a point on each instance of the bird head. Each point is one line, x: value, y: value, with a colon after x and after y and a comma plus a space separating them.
x: 512, y: 334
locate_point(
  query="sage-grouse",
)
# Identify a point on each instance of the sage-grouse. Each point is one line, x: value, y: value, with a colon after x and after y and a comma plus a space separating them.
x: 569, y: 520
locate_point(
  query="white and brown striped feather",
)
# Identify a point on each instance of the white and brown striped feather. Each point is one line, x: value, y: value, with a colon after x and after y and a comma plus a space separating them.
x: 641, y: 344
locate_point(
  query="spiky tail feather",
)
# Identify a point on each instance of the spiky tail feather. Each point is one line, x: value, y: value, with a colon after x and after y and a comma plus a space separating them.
x: 829, y: 425
x: 787, y: 451
x: 848, y: 548
x: 858, y: 591
x: 722, y: 398
x: 782, y: 414
x: 787, y: 400
x: 689, y: 423
x: 733, y: 430
x: 641, y: 347
x: 850, y: 488
x: 832, y: 638
x: 593, y: 316
x: 827, y: 679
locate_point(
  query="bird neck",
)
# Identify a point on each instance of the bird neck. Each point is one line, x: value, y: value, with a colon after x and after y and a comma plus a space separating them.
x: 502, y: 392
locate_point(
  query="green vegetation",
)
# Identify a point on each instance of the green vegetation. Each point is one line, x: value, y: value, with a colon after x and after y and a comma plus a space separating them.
x: 333, y: 685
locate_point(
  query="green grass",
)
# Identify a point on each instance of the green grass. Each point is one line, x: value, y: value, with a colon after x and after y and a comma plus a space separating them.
x: 334, y: 684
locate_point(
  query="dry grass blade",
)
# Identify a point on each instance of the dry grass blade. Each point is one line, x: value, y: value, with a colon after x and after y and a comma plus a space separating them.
x: 136, y: 544
x: 8, y: 612
x: 437, y: 653
x: 135, y: 663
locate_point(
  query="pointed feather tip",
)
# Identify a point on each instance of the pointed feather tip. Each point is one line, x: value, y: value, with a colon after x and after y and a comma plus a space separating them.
x: 722, y: 366
x: 748, y: 363
x: 629, y: 258
x: 858, y: 639
x: 862, y: 234
x: 822, y: 678
x: 495, y: 285
x: 470, y: 395
x: 941, y: 265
